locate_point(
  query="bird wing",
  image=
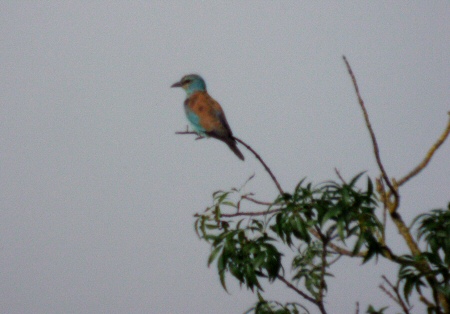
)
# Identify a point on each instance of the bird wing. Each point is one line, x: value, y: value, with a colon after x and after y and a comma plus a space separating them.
x: 220, y: 116
x: 206, y: 114
x: 208, y: 118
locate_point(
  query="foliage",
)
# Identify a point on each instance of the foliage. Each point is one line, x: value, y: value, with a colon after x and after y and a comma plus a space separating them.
x: 274, y: 307
x: 318, y: 225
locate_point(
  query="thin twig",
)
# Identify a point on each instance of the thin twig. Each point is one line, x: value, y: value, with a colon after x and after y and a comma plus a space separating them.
x: 338, y: 257
x: 381, y: 191
x: 323, y: 268
x: 397, y: 299
x: 428, y: 156
x: 336, y: 248
x: 263, y: 213
x: 251, y: 199
x: 254, y: 153
x: 263, y: 163
x: 372, y: 134
x: 424, y: 300
x: 300, y: 292
x: 388, y: 293
x: 304, y: 295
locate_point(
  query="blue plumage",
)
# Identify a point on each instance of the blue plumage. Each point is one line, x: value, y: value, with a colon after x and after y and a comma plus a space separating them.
x: 204, y: 113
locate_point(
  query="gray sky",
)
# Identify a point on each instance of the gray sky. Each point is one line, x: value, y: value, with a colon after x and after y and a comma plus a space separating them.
x: 97, y: 193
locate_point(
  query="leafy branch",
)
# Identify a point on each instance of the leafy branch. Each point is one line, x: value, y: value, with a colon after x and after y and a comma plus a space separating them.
x: 320, y: 224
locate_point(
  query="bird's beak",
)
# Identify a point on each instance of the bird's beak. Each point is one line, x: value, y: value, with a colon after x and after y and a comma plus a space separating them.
x: 177, y: 84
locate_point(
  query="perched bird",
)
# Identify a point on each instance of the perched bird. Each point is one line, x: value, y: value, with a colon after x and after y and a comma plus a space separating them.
x: 204, y: 113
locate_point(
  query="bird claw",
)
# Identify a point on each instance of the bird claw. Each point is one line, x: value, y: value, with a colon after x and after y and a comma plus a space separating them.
x: 199, y: 138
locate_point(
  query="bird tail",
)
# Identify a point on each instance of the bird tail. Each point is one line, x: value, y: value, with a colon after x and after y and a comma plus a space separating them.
x: 232, y: 144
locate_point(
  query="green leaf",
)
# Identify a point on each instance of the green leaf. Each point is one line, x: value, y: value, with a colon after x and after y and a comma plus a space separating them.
x: 331, y: 213
x: 369, y: 186
x: 213, y: 254
x: 356, y: 178
x: 228, y: 203
x: 222, y: 280
x: 372, y: 310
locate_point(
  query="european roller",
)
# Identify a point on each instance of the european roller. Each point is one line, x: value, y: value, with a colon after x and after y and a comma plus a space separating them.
x: 204, y: 113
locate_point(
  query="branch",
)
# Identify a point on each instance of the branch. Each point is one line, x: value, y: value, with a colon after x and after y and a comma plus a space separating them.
x: 300, y: 292
x: 307, y: 297
x: 338, y: 257
x: 322, y: 285
x: 254, y: 153
x: 251, y: 199
x: 381, y: 192
x: 336, y: 248
x: 389, y: 294
x: 263, y: 213
x: 422, y: 266
x: 263, y: 163
x: 341, y: 251
x: 372, y: 134
x: 425, y: 301
x: 397, y: 299
x: 428, y: 156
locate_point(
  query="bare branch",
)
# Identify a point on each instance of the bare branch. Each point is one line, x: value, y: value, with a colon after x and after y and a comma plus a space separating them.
x: 388, y: 293
x: 251, y: 199
x: 186, y: 132
x: 424, y: 300
x: 397, y: 299
x: 304, y: 295
x: 372, y: 134
x: 254, y: 153
x: 428, y: 156
x: 263, y: 213
x: 338, y: 257
x: 263, y: 163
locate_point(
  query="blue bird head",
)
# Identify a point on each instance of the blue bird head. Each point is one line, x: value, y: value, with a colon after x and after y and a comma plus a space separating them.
x: 191, y: 83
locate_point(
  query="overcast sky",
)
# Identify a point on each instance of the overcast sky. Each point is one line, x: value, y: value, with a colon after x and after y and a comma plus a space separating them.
x: 97, y: 193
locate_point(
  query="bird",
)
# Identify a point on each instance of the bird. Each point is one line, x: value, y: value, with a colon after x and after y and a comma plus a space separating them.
x: 204, y: 113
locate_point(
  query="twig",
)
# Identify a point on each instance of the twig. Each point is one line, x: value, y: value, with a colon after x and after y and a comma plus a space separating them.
x: 300, y: 292
x: 245, y: 183
x: 397, y: 299
x: 388, y: 293
x: 372, y: 134
x: 336, y: 248
x: 338, y: 257
x: 304, y: 295
x: 263, y: 213
x: 263, y: 163
x: 254, y: 153
x: 424, y: 300
x: 323, y: 268
x: 381, y: 191
x: 428, y: 156
x: 251, y: 199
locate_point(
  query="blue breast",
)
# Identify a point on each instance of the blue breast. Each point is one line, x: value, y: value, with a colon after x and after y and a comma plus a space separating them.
x: 194, y: 121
